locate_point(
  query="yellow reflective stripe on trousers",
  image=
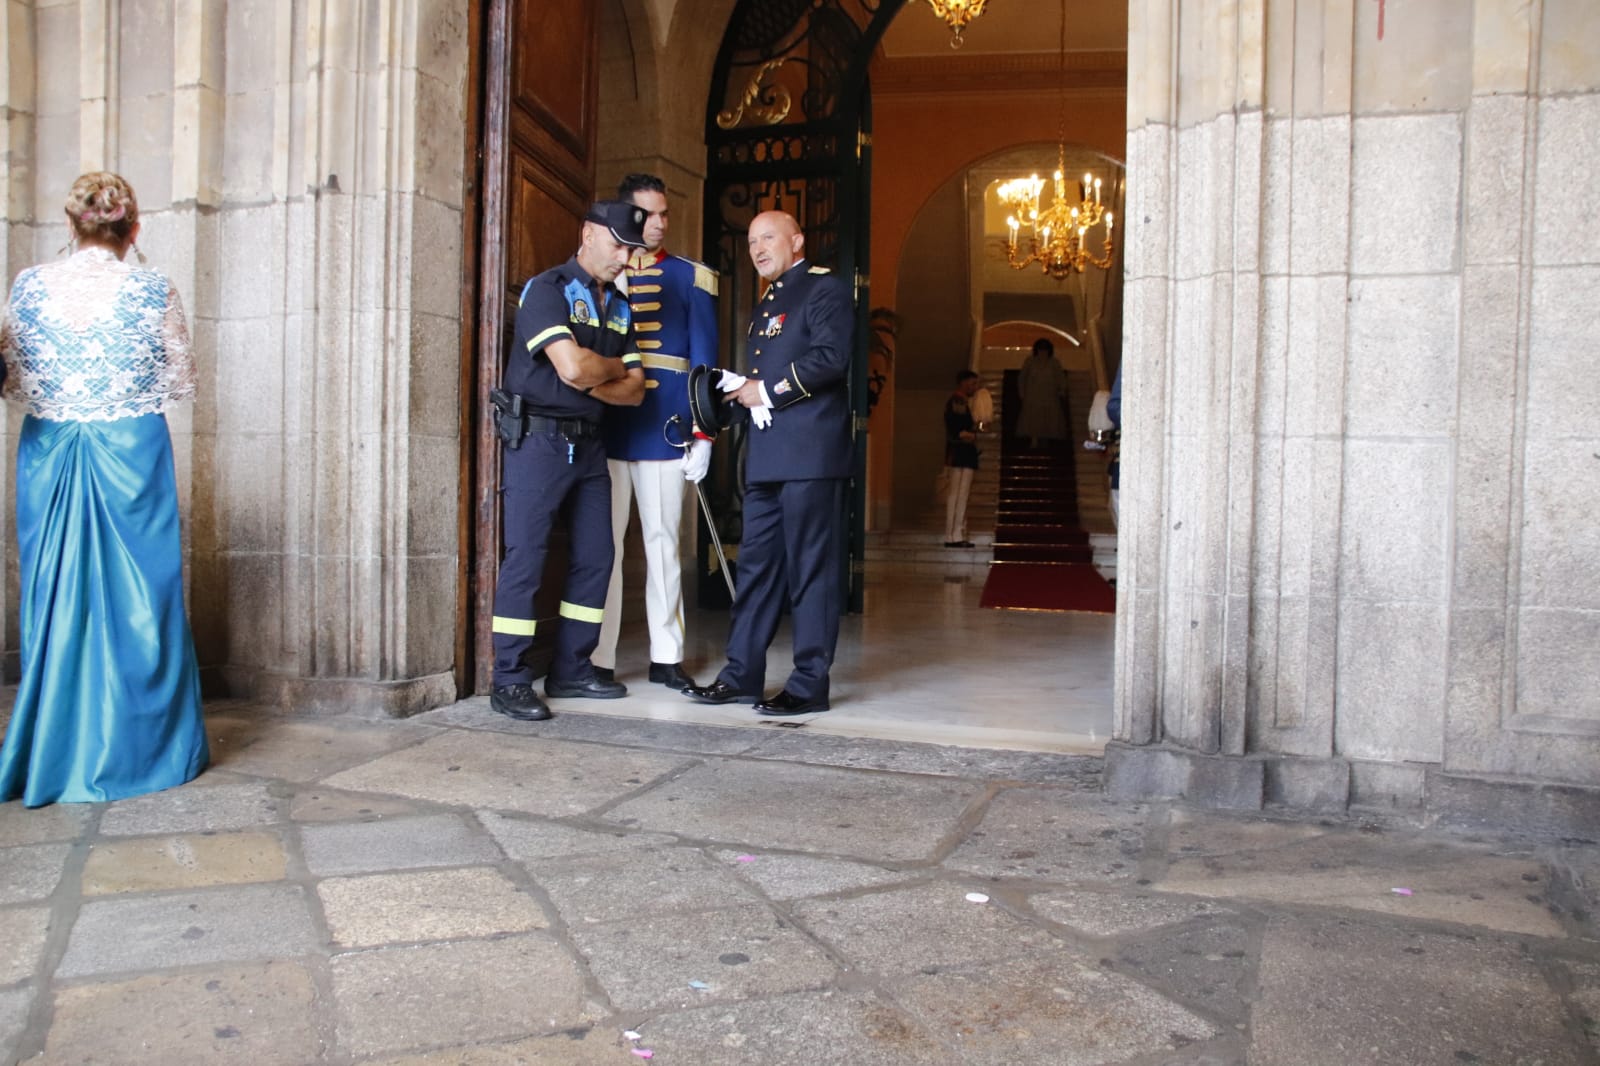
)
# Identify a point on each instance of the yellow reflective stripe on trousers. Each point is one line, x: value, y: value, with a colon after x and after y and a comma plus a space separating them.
x: 582, y: 614
x: 515, y: 627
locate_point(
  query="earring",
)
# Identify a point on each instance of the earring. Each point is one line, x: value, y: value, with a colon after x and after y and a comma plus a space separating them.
x: 139, y: 255
x: 68, y: 248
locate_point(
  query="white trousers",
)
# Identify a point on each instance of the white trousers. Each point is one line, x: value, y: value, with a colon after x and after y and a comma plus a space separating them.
x: 955, y: 504
x: 659, y: 487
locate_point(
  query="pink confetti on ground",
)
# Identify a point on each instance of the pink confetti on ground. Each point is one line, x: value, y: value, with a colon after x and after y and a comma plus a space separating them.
x: 643, y: 1052
x: 1401, y: 891
x: 744, y: 858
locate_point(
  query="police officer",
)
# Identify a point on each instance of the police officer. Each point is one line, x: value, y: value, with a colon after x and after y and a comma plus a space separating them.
x: 572, y: 356
x: 674, y: 315
x: 798, y: 349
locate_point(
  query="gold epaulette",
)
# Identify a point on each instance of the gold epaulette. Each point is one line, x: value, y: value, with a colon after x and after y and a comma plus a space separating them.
x: 705, y: 278
x: 819, y: 270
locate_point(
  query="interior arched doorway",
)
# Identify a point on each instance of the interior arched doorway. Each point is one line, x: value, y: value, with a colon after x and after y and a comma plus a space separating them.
x: 963, y: 307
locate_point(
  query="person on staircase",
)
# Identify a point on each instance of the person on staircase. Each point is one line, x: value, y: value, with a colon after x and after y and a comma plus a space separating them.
x: 960, y: 458
x: 1042, y: 385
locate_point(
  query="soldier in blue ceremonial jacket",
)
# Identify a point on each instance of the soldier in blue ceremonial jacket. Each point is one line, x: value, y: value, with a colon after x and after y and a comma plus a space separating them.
x: 572, y: 357
x: 674, y: 316
x: 799, y: 459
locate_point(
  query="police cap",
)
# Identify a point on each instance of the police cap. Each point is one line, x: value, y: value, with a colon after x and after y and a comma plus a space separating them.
x: 624, y: 220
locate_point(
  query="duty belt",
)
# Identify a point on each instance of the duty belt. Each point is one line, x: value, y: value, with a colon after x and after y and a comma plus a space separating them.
x: 512, y: 422
x: 571, y: 428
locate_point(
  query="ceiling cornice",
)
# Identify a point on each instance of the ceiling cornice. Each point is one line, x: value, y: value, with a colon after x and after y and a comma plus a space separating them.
x: 999, y: 72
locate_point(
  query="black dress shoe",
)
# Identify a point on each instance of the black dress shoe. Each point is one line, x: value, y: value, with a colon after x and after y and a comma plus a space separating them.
x: 589, y: 688
x: 519, y: 702
x: 965, y: 544
x: 670, y: 675
x: 787, y: 703
x: 605, y: 673
x: 718, y: 691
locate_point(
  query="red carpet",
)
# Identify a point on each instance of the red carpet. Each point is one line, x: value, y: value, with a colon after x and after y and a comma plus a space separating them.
x: 1048, y: 587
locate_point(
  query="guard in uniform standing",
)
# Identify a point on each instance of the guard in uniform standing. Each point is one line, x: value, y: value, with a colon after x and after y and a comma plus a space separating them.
x: 798, y: 462
x: 674, y: 316
x: 572, y: 356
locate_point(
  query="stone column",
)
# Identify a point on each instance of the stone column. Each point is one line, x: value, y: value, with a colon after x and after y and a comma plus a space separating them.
x: 1356, y: 568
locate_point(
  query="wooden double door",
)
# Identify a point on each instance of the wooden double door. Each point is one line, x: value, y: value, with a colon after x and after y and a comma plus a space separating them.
x: 531, y: 151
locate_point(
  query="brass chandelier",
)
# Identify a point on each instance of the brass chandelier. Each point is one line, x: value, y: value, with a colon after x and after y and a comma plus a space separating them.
x: 1058, y: 235
x: 956, y: 14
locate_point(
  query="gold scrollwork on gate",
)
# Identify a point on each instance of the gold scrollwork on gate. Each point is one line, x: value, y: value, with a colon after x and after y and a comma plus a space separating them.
x: 767, y: 104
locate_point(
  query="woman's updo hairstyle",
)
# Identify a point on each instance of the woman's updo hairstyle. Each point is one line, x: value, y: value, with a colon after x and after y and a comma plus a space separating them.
x: 102, y: 207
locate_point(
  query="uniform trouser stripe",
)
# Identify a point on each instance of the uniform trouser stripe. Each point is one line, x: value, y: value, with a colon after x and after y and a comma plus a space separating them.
x: 579, y: 613
x: 659, y: 487
x: 521, y: 627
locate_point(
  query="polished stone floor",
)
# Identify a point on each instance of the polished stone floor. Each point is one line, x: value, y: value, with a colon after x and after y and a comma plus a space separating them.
x: 923, y: 663
x: 459, y: 889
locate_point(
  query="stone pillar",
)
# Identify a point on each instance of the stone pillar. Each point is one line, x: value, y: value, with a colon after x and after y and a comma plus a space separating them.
x: 1357, y: 433
x: 300, y: 172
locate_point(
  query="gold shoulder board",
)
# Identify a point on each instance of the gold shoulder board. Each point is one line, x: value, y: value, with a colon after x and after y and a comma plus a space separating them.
x: 705, y: 278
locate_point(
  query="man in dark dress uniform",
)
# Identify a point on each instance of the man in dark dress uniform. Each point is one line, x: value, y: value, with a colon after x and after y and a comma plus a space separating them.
x: 799, y: 459
x: 573, y: 353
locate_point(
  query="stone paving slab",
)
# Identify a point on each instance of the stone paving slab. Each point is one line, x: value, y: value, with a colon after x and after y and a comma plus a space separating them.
x: 738, y: 953
x: 22, y: 936
x: 879, y: 817
x: 510, y: 896
x: 822, y: 749
x: 638, y: 885
x: 1046, y: 834
x: 14, y: 1007
x: 42, y: 825
x: 1446, y: 881
x: 1107, y: 914
x: 828, y: 1028
x: 528, y: 840
x: 399, y: 999
x: 264, y: 744
x: 1361, y: 991
x: 190, y: 861
x: 202, y: 806
x: 589, y: 725
x: 395, y: 844
x: 579, y: 1046
x: 791, y: 877
x: 333, y: 805
x: 259, y: 1014
x: 31, y: 871
x: 1048, y: 1008
x: 428, y: 905
x: 1210, y: 968
x: 919, y: 927
x: 117, y: 935
x: 510, y: 773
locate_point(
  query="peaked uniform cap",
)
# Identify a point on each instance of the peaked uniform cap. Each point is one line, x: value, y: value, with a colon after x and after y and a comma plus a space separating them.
x: 624, y: 220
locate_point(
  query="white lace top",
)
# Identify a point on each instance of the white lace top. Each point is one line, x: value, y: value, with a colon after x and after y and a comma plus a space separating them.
x: 92, y: 339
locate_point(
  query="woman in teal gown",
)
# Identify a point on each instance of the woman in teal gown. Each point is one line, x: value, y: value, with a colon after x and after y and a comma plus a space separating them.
x: 96, y: 350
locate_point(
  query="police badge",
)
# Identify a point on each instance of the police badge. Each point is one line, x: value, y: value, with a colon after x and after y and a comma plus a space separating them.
x: 580, y: 311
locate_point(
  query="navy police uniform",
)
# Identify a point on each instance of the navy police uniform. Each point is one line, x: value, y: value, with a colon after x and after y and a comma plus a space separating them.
x: 795, y: 472
x: 561, y: 462
x: 675, y: 318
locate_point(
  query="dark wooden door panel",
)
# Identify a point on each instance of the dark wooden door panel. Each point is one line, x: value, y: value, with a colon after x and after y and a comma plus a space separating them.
x: 537, y: 178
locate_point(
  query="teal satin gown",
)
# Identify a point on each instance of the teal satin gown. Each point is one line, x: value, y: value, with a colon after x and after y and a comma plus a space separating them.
x: 108, y: 705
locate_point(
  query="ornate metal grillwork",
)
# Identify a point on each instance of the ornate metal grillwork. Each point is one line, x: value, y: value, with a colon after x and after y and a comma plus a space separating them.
x: 807, y: 59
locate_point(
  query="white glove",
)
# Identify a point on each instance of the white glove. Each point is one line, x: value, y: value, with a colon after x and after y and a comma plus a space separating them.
x: 731, y: 382
x: 696, y: 461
